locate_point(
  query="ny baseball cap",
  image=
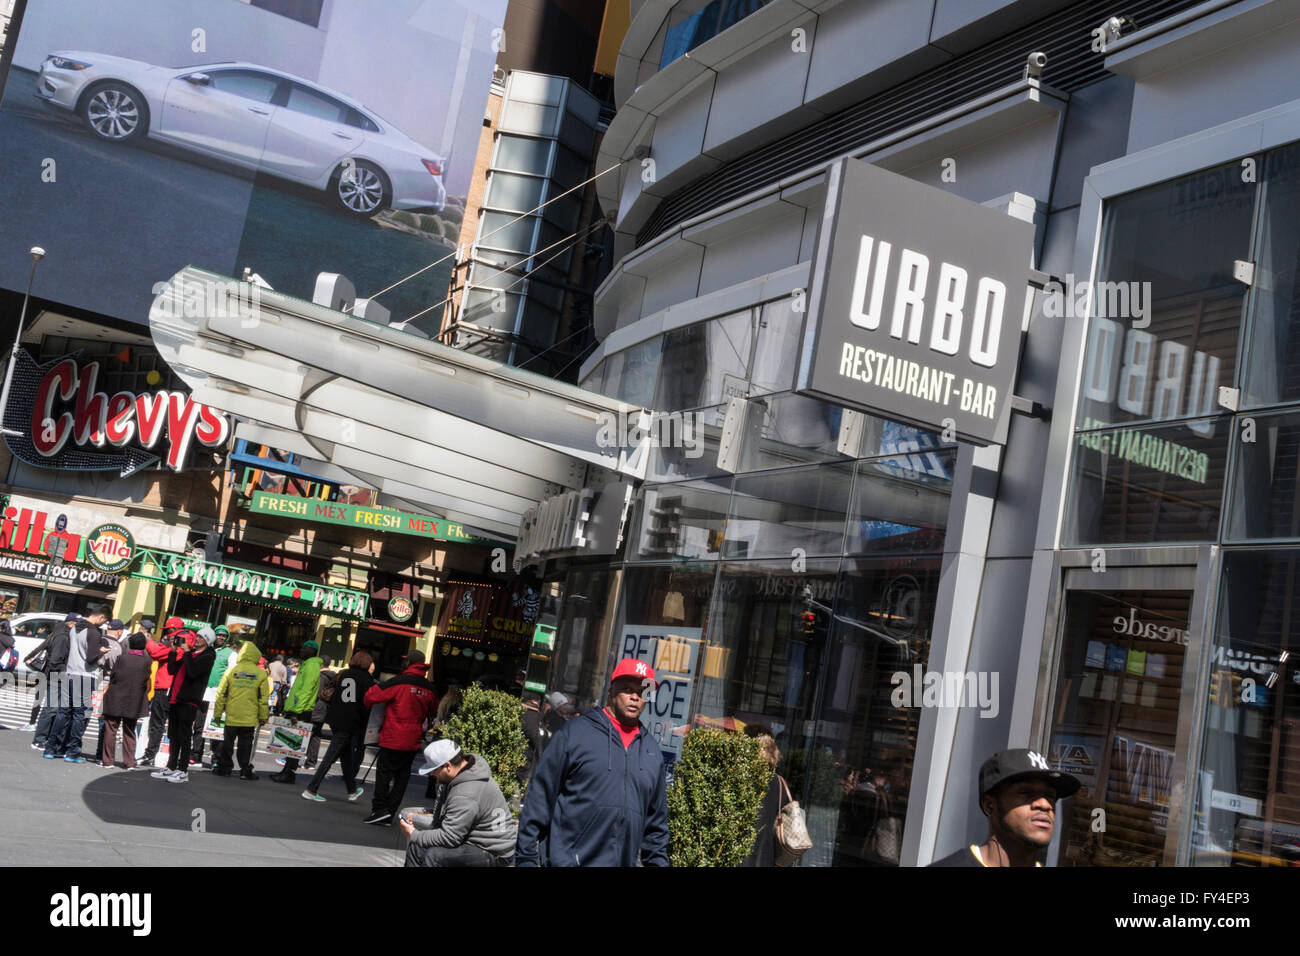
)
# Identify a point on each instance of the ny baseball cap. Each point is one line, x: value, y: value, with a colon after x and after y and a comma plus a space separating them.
x: 437, y: 754
x: 173, y: 624
x: 631, y: 667
x: 1022, y: 764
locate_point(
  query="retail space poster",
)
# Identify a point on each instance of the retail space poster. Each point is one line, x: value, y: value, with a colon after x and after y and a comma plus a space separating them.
x: 917, y: 303
x: 291, y: 137
x: 674, y: 653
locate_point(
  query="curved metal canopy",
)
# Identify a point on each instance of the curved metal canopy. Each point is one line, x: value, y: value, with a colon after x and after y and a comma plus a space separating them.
x: 473, y: 440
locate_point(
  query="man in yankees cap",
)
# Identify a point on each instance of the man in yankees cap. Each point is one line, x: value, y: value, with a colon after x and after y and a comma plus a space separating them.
x: 1018, y: 793
x: 598, y: 796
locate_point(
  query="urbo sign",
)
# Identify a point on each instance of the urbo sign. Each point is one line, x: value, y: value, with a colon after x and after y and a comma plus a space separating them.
x: 916, y: 306
x: 69, y: 409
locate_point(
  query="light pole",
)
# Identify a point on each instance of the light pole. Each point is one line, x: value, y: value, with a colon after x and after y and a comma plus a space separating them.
x: 37, y: 254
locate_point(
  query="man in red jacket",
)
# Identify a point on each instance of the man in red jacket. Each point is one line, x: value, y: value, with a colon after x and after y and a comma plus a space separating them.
x: 409, y: 704
x: 174, y: 634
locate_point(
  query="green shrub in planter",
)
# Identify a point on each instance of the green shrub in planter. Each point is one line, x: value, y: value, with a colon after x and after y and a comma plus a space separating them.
x: 713, y: 803
x: 490, y: 723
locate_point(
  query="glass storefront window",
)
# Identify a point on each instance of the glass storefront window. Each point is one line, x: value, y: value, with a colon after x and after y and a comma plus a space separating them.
x: 858, y: 770
x: 779, y: 346
x: 578, y: 662
x: 1273, y: 349
x: 1115, y: 722
x: 1147, y: 484
x: 706, y: 363
x: 633, y: 372
x: 897, y: 509
x: 796, y: 430
x: 789, y: 514
x: 680, y: 520
x: 1166, y: 310
x: 1264, y: 500
x: 1247, y: 809
x: 696, y: 454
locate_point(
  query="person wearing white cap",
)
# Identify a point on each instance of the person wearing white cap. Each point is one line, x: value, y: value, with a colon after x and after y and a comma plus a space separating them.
x: 469, y: 823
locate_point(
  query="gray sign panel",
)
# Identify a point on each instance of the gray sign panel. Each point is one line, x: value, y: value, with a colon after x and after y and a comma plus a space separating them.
x: 916, y: 306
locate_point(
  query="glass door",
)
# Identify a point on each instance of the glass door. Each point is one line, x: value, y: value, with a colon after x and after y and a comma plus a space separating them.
x: 1127, y: 658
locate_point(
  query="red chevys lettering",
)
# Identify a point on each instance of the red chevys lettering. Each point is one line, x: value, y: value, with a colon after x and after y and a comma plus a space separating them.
x: 96, y: 418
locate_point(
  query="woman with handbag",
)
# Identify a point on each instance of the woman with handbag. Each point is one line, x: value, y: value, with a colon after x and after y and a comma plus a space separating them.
x: 777, y: 806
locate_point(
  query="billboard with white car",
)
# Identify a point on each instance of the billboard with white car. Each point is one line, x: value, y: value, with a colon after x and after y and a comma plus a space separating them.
x: 289, y: 137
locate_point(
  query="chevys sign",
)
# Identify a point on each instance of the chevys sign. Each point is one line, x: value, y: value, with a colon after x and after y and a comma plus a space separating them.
x: 917, y: 304
x: 63, y: 418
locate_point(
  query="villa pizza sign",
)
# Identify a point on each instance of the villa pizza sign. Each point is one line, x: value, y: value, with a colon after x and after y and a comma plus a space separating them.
x: 64, y: 421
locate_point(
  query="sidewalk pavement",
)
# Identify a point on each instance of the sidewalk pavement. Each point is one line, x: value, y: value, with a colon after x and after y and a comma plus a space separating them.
x: 62, y: 814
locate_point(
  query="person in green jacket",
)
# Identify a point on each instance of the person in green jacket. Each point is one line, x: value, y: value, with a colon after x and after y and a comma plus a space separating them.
x: 225, y: 655
x: 301, y: 702
x: 243, y: 703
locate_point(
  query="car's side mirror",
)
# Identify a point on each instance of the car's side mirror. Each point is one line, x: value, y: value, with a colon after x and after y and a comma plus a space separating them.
x: 199, y: 79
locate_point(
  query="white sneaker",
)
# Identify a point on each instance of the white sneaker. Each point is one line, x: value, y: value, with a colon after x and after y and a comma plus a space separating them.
x: 163, y: 774
x: 180, y: 776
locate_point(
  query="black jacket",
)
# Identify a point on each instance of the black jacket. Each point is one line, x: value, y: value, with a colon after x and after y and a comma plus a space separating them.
x: 349, y: 716
x: 61, y: 641
x: 194, y: 682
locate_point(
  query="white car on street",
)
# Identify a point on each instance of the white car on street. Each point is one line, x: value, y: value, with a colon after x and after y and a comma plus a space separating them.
x: 30, y: 631
x: 256, y: 117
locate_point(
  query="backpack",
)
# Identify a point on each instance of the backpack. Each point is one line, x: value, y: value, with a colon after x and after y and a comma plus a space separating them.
x: 327, y: 686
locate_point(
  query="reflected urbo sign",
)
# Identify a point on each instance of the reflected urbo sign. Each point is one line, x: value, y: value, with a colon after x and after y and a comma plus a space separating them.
x: 917, y: 303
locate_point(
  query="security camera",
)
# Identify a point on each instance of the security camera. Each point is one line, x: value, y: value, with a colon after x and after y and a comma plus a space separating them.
x: 1034, y: 65
x: 1111, y: 28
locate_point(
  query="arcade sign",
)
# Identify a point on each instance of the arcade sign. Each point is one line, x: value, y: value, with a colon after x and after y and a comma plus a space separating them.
x: 917, y: 304
x: 63, y: 419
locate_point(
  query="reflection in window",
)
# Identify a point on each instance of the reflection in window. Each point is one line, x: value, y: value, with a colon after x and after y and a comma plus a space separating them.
x: 706, y: 363
x: 775, y: 513
x: 1166, y: 312
x: 1273, y: 356
x: 1148, y: 484
x: 1247, y: 807
x: 779, y: 346
x: 896, y: 509
x: 795, y: 430
x: 248, y: 84
x: 1116, y: 722
x: 681, y: 520
x: 303, y: 100
x: 1264, y: 499
x: 578, y: 663
x: 632, y: 373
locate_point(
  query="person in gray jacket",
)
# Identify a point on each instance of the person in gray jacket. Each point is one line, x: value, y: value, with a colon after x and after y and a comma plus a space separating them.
x: 469, y: 823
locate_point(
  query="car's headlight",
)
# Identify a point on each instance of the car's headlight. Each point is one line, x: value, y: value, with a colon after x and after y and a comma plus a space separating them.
x: 63, y: 63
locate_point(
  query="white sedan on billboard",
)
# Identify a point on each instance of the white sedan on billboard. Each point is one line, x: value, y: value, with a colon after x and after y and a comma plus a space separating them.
x: 259, y: 118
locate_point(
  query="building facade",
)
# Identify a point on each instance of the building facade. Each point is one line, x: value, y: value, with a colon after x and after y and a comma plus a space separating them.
x: 1116, y: 586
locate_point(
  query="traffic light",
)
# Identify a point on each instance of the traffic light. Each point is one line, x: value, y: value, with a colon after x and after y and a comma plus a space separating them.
x: 808, y: 620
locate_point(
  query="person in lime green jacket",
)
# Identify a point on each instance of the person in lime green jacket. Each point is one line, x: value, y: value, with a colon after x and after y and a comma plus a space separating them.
x: 301, y: 702
x: 243, y: 703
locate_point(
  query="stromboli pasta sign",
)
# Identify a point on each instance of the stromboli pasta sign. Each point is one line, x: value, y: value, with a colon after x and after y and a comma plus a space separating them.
x: 917, y: 304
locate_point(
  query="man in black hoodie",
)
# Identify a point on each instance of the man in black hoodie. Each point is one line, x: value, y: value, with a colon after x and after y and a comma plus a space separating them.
x: 189, y: 662
x: 55, y: 642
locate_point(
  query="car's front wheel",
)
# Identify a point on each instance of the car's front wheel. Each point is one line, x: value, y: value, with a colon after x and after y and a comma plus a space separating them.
x: 360, y: 188
x: 115, y: 112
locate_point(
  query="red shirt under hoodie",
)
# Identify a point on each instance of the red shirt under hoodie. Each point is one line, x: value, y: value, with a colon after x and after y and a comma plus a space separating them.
x: 627, y: 735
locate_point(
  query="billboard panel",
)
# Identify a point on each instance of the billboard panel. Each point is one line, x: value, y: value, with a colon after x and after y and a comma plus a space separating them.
x: 287, y: 136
